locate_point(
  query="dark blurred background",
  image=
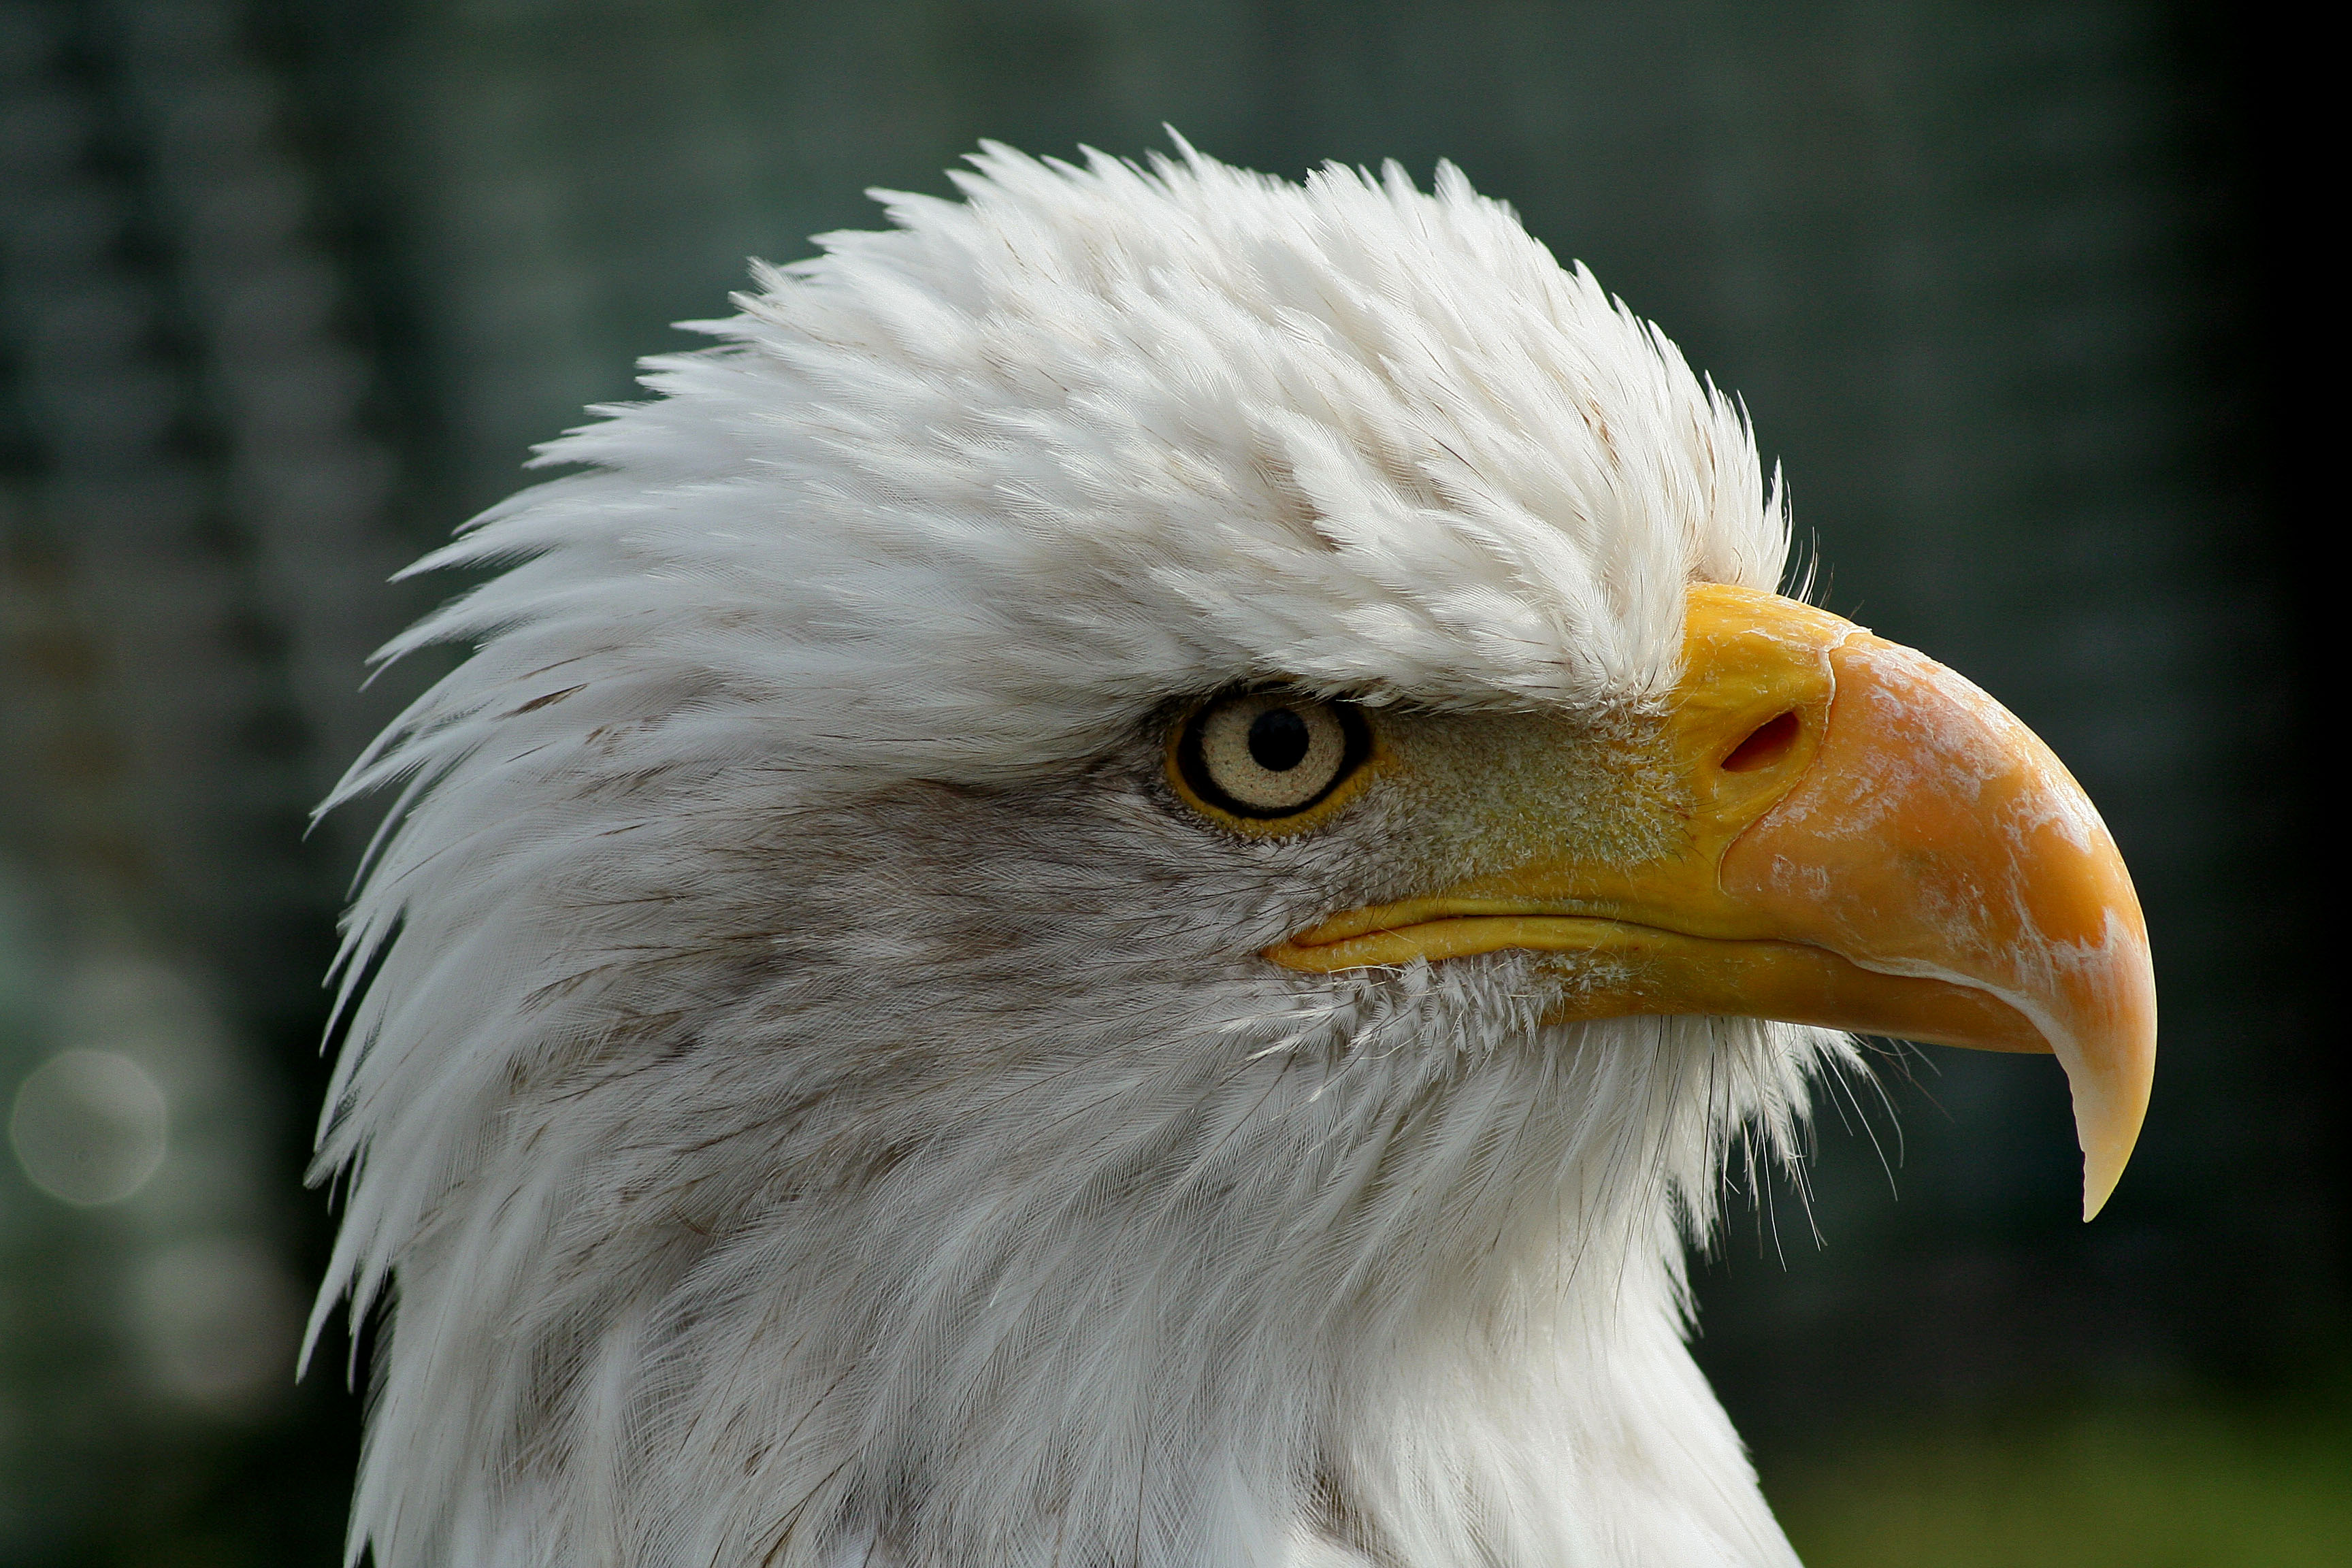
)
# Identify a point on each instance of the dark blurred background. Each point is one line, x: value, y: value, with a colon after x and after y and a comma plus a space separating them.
x: 286, y: 291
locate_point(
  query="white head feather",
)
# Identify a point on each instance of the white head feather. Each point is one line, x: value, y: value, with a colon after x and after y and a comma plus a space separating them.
x: 817, y: 1103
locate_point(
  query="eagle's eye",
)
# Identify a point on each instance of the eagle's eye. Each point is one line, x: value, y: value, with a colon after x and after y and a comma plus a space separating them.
x: 1266, y: 756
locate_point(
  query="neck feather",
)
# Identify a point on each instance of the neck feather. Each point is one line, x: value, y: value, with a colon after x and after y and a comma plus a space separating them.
x: 1393, y: 1279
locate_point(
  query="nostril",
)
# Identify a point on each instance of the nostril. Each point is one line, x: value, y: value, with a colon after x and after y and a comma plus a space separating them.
x: 1766, y: 744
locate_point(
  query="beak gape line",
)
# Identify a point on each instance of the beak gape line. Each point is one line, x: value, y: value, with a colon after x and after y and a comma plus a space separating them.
x: 1873, y: 843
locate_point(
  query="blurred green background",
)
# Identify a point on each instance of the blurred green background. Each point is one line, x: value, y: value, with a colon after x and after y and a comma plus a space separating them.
x: 286, y: 290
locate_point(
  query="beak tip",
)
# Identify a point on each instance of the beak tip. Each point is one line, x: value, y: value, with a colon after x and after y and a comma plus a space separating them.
x: 2095, y: 1193
x: 2106, y: 1152
x: 2110, y: 1063
x: 2108, y: 1134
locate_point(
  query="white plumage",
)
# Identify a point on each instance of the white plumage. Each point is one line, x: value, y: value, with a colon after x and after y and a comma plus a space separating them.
x: 814, y: 1096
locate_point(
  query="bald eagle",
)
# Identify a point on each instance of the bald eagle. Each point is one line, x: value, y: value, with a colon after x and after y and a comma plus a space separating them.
x: 1106, y: 893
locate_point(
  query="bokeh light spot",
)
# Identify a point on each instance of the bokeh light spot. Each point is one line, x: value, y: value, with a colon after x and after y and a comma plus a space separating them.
x: 220, y: 1322
x: 88, y: 1127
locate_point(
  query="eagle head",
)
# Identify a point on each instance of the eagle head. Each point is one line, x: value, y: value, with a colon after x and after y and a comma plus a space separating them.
x: 1106, y: 893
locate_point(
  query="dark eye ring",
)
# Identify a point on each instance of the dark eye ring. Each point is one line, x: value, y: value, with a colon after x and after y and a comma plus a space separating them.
x: 1264, y: 755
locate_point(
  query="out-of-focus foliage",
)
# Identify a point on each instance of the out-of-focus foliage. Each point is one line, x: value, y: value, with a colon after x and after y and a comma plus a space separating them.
x: 2149, y: 1485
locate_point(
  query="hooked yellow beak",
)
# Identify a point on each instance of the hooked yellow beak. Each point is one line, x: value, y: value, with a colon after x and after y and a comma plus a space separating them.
x: 1870, y: 843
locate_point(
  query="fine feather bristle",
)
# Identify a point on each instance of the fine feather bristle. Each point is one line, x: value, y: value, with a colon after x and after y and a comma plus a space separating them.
x: 811, y: 1106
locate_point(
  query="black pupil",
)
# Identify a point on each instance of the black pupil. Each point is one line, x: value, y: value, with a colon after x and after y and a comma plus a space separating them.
x: 1278, y: 740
